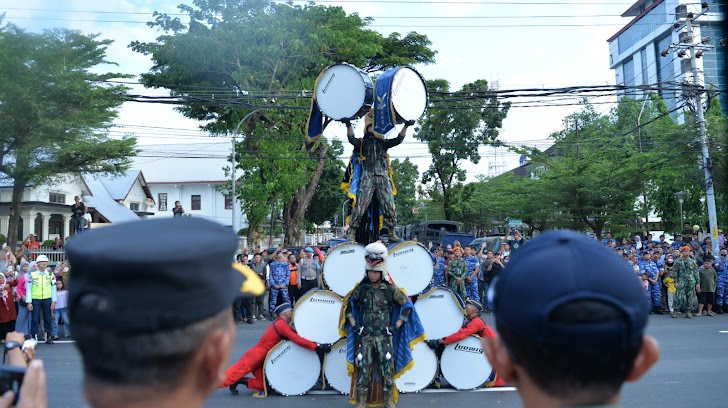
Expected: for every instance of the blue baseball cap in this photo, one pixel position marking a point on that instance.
(308, 249)
(556, 269)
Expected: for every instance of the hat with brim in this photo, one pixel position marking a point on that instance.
(127, 280)
(282, 308)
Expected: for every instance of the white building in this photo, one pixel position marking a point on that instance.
(634, 51)
(46, 208)
(193, 180)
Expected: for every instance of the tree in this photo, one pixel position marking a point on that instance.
(54, 110)
(405, 175)
(327, 199)
(454, 129)
(233, 57)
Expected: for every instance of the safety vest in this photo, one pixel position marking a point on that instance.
(42, 284)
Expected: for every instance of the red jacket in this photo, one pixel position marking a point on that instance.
(253, 359)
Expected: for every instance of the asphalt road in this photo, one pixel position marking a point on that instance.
(693, 371)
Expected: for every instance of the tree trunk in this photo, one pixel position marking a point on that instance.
(252, 233)
(15, 207)
(295, 210)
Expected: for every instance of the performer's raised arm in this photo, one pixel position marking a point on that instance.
(389, 143)
(350, 133)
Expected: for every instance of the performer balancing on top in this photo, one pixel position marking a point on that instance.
(381, 327)
(375, 175)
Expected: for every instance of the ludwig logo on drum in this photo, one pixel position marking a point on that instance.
(318, 300)
(351, 251)
(406, 251)
(284, 351)
(476, 350)
(411, 383)
(436, 296)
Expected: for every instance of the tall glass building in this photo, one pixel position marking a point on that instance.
(634, 51)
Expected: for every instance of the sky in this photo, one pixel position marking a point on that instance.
(514, 44)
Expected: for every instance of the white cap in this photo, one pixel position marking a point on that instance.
(41, 258)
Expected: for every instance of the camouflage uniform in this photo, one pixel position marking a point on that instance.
(721, 289)
(375, 307)
(279, 275)
(375, 177)
(458, 268)
(686, 275)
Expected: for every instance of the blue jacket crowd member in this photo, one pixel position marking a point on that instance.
(571, 318)
(472, 280)
(151, 332)
(438, 278)
(721, 288)
(381, 327)
(649, 266)
(280, 276)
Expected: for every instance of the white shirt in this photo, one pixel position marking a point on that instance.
(88, 219)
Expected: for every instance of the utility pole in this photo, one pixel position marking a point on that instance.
(644, 183)
(234, 196)
(688, 46)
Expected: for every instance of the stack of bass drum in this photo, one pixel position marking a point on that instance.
(294, 370)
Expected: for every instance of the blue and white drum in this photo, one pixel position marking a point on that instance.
(344, 91)
(464, 364)
(291, 369)
(316, 316)
(410, 266)
(441, 312)
(408, 93)
(422, 374)
(344, 267)
(335, 371)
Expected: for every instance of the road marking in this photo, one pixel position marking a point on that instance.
(425, 391)
(723, 331)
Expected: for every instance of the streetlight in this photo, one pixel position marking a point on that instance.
(235, 133)
(680, 195)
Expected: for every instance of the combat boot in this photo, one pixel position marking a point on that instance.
(393, 238)
(719, 309)
(352, 234)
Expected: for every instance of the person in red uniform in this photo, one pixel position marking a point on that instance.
(474, 325)
(254, 359)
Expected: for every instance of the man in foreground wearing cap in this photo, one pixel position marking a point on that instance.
(381, 326)
(571, 318)
(40, 296)
(253, 360)
(155, 330)
(474, 325)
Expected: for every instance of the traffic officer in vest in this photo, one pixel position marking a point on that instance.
(308, 272)
(40, 296)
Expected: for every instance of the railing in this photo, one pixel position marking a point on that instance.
(54, 255)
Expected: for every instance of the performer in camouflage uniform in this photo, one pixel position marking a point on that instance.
(375, 175)
(369, 312)
(687, 277)
(457, 271)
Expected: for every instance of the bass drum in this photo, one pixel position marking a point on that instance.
(344, 267)
(464, 364)
(291, 369)
(344, 91)
(441, 312)
(410, 266)
(408, 93)
(316, 316)
(335, 370)
(422, 374)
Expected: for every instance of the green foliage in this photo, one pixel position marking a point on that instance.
(48, 243)
(327, 200)
(270, 49)
(453, 132)
(405, 179)
(55, 109)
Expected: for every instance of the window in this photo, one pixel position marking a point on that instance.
(228, 202)
(162, 201)
(134, 206)
(629, 72)
(196, 202)
(57, 198)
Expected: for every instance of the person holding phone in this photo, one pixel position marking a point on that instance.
(177, 211)
(23, 367)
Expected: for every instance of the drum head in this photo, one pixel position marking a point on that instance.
(464, 364)
(421, 375)
(341, 91)
(344, 267)
(291, 369)
(316, 316)
(335, 369)
(410, 266)
(409, 94)
(440, 312)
